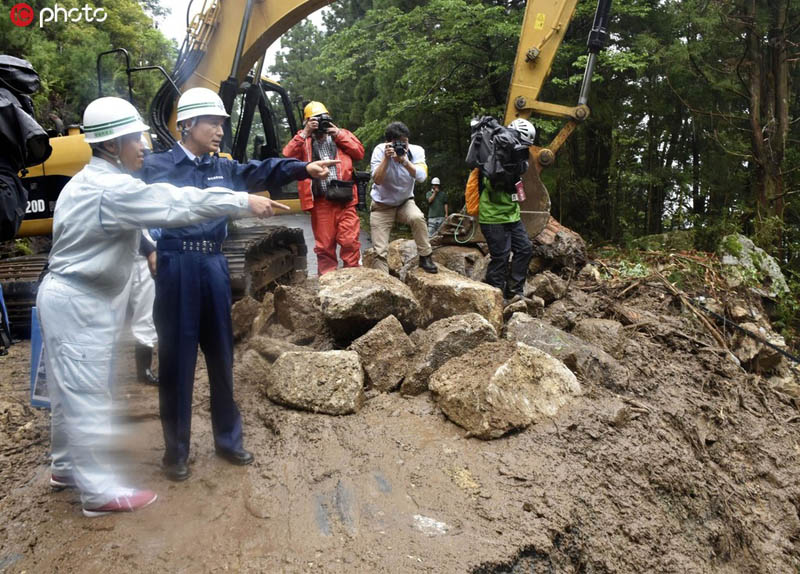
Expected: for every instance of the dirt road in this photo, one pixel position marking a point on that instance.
(690, 466)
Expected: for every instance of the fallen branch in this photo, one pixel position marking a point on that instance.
(697, 313)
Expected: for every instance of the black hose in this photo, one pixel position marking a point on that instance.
(759, 338)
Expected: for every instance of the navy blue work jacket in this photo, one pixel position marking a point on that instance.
(175, 167)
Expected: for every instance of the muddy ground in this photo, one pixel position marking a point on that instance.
(689, 466)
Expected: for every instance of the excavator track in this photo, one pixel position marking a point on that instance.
(20, 278)
(259, 254)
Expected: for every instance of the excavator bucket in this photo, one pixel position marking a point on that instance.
(535, 210)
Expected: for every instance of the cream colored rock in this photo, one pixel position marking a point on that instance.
(322, 382)
(442, 341)
(354, 300)
(385, 351)
(501, 387)
(446, 293)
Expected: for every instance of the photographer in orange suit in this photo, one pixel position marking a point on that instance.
(332, 201)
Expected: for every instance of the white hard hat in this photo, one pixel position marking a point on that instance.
(108, 118)
(525, 130)
(200, 102)
(435, 181)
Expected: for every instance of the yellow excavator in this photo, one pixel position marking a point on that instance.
(210, 58)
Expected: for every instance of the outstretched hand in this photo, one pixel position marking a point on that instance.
(264, 206)
(319, 169)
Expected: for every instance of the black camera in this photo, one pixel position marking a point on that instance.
(324, 122)
(362, 179)
(400, 147)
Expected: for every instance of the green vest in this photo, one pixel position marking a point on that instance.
(436, 208)
(496, 206)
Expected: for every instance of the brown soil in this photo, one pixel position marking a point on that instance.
(690, 466)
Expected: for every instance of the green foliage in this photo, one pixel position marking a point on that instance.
(432, 65)
(787, 311)
(22, 247)
(64, 54)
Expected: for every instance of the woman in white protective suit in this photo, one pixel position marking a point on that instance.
(81, 302)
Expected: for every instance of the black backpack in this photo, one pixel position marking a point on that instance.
(498, 151)
(24, 142)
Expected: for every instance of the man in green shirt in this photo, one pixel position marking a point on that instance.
(499, 218)
(437, 207)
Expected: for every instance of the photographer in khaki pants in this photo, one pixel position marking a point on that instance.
(395, 166)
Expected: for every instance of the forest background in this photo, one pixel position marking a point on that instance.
(695, 124)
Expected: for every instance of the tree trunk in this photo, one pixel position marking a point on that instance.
(768, 86)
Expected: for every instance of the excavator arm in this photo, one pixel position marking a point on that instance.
(224, 43)
(543, 28)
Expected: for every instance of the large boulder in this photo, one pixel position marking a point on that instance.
(744, 263)
(328, 382)
(385, 351)
(546, 285)
(503, 386)
(271, 348)
(558, 247)
(588, 361)
(242, 314)
(297, 309)
(444, 340)
(447, 293)
(467, 261)
(607, 334)
(355, 299)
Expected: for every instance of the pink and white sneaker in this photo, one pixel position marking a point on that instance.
(60, 482)
(127, 500)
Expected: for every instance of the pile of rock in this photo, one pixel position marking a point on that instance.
(326, 345)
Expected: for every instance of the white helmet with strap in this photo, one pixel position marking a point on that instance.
(197, 102)
(109, 118)
(435, 181)
(525, 129)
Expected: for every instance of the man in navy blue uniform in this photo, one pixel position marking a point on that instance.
(193, 294)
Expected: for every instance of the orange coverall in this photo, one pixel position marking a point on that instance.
(332, 222)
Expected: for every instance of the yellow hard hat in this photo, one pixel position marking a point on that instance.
(314, 109)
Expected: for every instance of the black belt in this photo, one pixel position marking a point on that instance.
(190, 245)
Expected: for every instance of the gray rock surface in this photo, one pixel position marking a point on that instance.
(385, 351)
(446, 293)
(401, 257)
(755, 356)
(607, 334)
(297, 309)
(503, 386)
(328, 382)
(745, 263)
(467, 261)
(589, 362)
(442, 341)
(354, 300)
(546, 285)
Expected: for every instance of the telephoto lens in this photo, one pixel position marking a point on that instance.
(362, 179)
